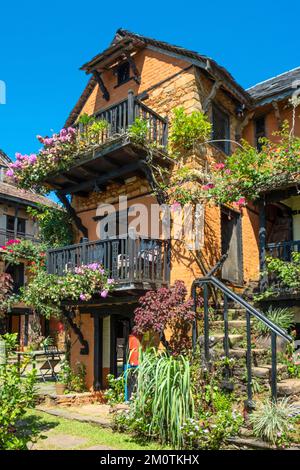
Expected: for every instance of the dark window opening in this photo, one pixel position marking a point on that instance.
(221, 129)
(260, 131)
(123, 73)
(17, 274)
(10, 224)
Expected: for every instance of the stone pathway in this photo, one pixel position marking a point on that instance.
(92, 413)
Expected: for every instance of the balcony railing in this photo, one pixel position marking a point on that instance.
(121, 115)
(127, 260)
(6, 235)
(283, 250)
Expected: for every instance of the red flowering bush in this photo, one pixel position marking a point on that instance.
(167, 308)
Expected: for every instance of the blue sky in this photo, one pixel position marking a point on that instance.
(43, 44)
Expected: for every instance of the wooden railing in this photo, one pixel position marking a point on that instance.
(127, 260)
(121, 115)
(6, 235)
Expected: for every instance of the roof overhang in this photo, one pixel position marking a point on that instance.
(115, 161)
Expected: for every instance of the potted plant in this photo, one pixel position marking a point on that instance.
(63, 378)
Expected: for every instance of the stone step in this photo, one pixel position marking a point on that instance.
(233, 313)
(288, 387)
(241, 352)
(219, 337)
(264, 371)
(238, 325)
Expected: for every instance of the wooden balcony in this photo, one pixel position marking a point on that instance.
(132, 263)
(6, 235)
(112, 154)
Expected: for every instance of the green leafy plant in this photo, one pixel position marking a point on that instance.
(74, 380)
(17, 394)
(211, 430)
(55, 225)
(249, 171)
(45, 292)
(138, 130)
(286, 272)
(18, 251)
(282, 317)
(163, 399)
(272, 422)
(188, 129)
(116, 386)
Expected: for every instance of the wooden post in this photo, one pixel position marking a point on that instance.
(98, 353)
(16, 222)
(262, 244)
(130, 107)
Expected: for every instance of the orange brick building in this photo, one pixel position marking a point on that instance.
(139, 76)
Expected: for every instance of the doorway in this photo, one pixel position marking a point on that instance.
(231, 239)
(120, 329)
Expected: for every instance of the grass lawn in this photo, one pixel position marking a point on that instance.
(69, 435)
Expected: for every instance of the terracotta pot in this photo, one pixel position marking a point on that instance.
(60, 388)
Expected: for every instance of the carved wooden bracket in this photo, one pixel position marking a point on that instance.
(64, 200)
(102, 87)
(277, 114)
(211, 95)
(136, 74)
(242, 124)
(84, 351)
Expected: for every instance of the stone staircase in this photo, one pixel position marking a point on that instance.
(261, 355)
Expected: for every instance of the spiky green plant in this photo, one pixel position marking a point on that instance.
(282, 317)
(164, 393)
(271, 421)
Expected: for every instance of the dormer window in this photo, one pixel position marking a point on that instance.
(123, 73)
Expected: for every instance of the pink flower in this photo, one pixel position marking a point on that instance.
(241, 202)
(227, 171)
(110, 281)
(104, 294)
(82, 297)
(219, 166)
(10, 173)
(176, 205)
(32, 158)
(208, 186)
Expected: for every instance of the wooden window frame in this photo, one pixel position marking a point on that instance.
(224, 147)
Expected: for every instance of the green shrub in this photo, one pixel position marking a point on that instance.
(138, 130)
(282, 317)
(115, 393)
(17, 394)
(211, 430)
(272, 422)
(188, 129)
(74, 381)
(163, 399)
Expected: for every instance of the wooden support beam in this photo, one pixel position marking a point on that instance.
(136, 74)
(277, 114)
(84, 351)
(101, 180)
(64, 200)
(102, 87)
(242, 124)
(262, 236)
(211, 95)
(98, 352)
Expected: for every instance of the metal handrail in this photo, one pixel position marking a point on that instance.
(275, 330)
(239, 300)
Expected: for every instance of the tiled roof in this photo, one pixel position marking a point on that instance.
(281, 86)
(10, 192)
(208, 64)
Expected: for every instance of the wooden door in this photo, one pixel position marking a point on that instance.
(231, 235)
